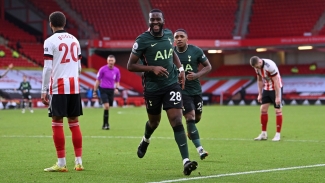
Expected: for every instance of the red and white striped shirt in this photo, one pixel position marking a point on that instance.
(269, 70)
(62, 65)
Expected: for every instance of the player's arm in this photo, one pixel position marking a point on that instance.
(276, 86)
(7, 70)
(133, 65)
(259, 84)
(181, 76)
(47, 70)
(206, 68)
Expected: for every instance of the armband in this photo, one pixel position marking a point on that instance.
(180, 69)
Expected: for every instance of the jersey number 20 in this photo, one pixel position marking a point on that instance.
(66, 48)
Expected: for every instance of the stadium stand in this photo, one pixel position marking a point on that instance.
(49, 6)
(206, 19)
(8, 59)
(124, 22)
(13, 33)
(280, 18)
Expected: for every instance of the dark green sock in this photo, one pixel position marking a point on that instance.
(180, 138)
(193, 132)
(148, 131)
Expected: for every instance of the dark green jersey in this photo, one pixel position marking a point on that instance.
(25, 87)
(191, 59)
(156, 51)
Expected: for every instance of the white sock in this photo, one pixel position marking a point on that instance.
(61, 162)
(277, 134)
(78, 160)
(199, 149)
(146, 140)
(264, 132)
(185, 160)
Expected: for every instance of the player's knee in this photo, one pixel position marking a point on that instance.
(72, 119)
(278, 110)
(175, 120)
(57, 119)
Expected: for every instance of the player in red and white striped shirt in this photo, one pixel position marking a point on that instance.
(270, 90)
(61, 79)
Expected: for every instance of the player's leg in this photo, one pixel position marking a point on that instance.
(192, 108)
(153, 105)
(57, 110)
(24, 103)
(172, 103)
(30, 104)
(105, 100)
(266, 100)
(75, 110)
(279, 118)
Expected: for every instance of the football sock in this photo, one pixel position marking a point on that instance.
(23, 105)
(278, 121)
(30, 105)
(62, 162)
(193, 132)
(264, 119)
(76, 138)
(59, 140)
(78, 160)
(148, 130)
(180, 138)
(106, 116)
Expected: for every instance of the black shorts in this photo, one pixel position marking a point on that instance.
(65, 105)
(168, 97)
(27, 96)
(269, 97)
(192, 102)
(107, 95)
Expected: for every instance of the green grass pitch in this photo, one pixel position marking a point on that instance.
(226, 132)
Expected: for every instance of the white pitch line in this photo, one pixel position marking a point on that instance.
(239, 173)
(138, 137)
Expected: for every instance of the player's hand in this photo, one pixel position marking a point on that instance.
(10, 66)
(191, 76)
(181, 79)
(116, 91)
(95, 94)
(44, 99)
(259, 98)
(277, 101)
(160, 71)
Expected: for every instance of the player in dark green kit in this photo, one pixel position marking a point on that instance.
(191, 57)
(161, 88)
(25, 88)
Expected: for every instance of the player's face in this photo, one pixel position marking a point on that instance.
(156, 23)
(259, 64)
(110, 62)
(180, 38)
(24, 79)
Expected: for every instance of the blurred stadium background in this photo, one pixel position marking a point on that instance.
(292, 33)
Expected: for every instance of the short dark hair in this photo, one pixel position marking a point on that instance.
(254, 60)
(57, 19)
(181, 30)
(158, 11)
(111, 56)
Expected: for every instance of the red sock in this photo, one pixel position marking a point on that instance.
(264, 118)
(76, 138)
(58, 138)
(278, 121)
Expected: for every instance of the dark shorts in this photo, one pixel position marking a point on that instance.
(192, 102)
(168, 98)
(107, 95)
(269, 97)
(65, 105)
(27, 96)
